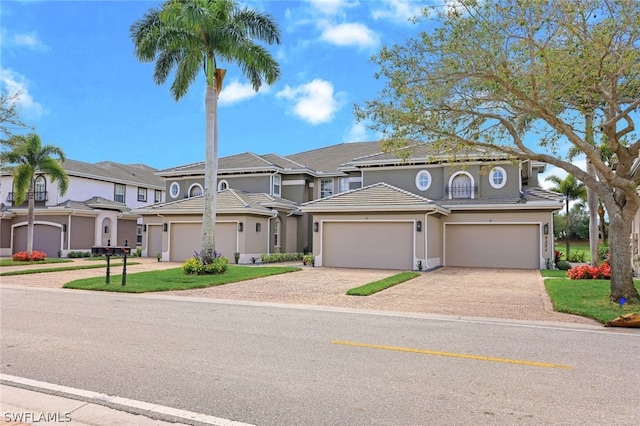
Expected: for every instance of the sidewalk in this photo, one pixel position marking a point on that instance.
(78, 407)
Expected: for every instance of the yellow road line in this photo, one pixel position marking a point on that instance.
(454, 355)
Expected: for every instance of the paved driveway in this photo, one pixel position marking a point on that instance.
(465, 292)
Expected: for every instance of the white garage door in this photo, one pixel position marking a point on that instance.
(185, 239)
(515, 246)
(381, 245)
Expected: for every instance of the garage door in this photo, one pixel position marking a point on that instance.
(381, 245)
(47, 239)
(185, 238)
(154, 240)
(492, 246)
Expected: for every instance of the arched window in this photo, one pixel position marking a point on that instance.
(461, 185)
(195, 190)
(222, 185)
(40, 189)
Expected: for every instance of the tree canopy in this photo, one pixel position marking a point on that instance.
(519, 77)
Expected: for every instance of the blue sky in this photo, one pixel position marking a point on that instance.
(83, 89)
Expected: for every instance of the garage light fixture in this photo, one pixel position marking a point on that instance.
(316, 226)
(165, 227)
(419, 226)
(258, 227)
(240, 226)
(545, 229)
(64, 227)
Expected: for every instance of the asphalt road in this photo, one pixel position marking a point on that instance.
(273, 365)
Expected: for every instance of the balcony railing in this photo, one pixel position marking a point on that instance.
(462, 191)
(37, 196)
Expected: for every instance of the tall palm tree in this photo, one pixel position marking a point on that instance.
(573, 190)
(190, 35)
(29, 157)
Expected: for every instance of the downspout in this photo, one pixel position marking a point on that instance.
(426, 237)
(69, 230)
(269, 231)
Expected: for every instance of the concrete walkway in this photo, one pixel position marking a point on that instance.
(461, 292)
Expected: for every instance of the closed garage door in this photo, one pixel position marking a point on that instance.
(492, 246)
(186, 238)
(46, 238)
(381, 245)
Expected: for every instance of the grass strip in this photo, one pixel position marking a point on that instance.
(376, 286)
(553, 273)
(11, 262)
(62, 268)
(588, 298)
(176, 279)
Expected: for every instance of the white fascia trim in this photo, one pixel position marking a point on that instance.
(528, 206)
(375, 209)
(293, 182)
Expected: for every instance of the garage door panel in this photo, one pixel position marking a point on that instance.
(46, 238)
(185, 239)
(383, 245)
(514, 246)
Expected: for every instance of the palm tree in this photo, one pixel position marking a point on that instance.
(29, 157)
(190, 35)
(572, 190)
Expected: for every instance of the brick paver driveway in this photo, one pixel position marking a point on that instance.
(465, 292)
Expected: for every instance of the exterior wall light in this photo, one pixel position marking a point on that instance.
(419, 226)
(258, 227)
(240, 226)
(165, 227)
(545, 229)
(316, 226)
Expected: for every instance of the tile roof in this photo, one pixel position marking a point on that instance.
(428, 153)
(136, 174)
(377, 197)
(328, 159)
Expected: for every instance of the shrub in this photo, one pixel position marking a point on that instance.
(588, 272)
(557, 255)
(236, 257)
(309, 259)
(77, 254)
(280, 257)
(563, 265)
(23, 256)
(194, 265)
(577, 256)
(603, 252)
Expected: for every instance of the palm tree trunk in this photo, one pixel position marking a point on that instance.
(567, 232)
(210, 175)
(31, 216)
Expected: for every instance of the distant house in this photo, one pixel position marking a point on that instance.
(95, 210)
(353, 205)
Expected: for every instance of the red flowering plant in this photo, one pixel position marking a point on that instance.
(23, 256)
(588, 272)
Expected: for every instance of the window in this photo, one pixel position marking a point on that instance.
(461, 186)
(343, 184)
(326, 188)
(195, 190)
(157, 196)
(40, 190)
(276, 233)
(174, 189)
(119, 193)
(222, 185)
(277, 181)
(142, 194)
(498, 177)
(139, 235)
(423, 180)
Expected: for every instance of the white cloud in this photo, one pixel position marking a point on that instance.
(30, 40)
(14, 82)
(331, 7)
(358, 132)
(397, 10)
(351, 34)
(235, 92)
(314, 102)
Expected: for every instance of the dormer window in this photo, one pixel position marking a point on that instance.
(497, 177)
(174, 189)
(222, 185)
(195, 190)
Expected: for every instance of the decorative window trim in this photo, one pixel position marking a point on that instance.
(117, 196)
(142, 194)
(471, 180)
(492, 175)
(157, 196)
(174, 190)
(419, 183)
(276, 185)
(192, 187)
(222, 185)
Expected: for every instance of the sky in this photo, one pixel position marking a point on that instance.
(83, 90)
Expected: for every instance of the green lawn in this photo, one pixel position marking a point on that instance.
(11, 262)
(588, 298)
(575, 247)
(63, 268)
(176, 279)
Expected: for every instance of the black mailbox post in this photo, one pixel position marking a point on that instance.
(119, 251)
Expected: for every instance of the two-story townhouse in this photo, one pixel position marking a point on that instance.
(353, 205)
(95, 210)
